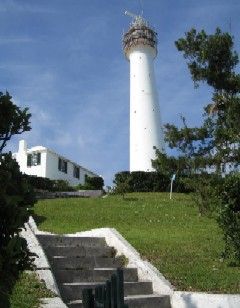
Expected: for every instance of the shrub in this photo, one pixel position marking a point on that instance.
(140, 181)
(145, 181)
(16, 199)
(122, 187)
(40, 183)
(121, 177)
(50, 185)
(61, 185)
(94, 183)
(80, 187)
(229, 216)
(204, 188)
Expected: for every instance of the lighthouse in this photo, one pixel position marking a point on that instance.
(140, 48)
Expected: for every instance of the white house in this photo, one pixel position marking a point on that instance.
(43, 162)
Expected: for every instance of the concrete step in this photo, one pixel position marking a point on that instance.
(147, 301)
(75, 304)
(47, 240)
(84, 263)
(79, 251)
(73, 291)
(94, 275)
(137, 301)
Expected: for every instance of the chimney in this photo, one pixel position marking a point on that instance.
(22, 146)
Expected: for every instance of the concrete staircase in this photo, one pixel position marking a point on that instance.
(83, 262)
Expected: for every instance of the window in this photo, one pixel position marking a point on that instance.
(34, 159)
(76, 172)
(29, 160)
(62, 165)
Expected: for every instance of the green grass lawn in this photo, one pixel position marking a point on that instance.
(184, 246)
(28, 291)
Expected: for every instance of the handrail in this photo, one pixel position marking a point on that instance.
(108, 295)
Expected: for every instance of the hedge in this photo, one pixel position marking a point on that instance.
(91, 183)
(140, 181)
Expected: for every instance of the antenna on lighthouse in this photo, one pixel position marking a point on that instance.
(131, 14)
(140, 1)
(230, 25)
(137, 19)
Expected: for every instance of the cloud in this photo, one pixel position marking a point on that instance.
(23, 6)
(18, 67)
(15, 40)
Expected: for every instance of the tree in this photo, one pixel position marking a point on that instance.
(214, 147)
(169, 165)
(211, 59)
(215, 144)
(122, 189)
(13, 120)
(121, 182)
(16, 199)
(95, 183)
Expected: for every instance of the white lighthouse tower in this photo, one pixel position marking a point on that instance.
(140, 48)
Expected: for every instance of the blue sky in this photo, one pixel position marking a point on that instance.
(63, 59)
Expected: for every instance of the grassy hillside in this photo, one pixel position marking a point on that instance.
(28, 291)
(184, 246)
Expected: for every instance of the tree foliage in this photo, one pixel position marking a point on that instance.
(168, 165)
(215, 144)
(213, 147)
(95, 182)
(122, 183)
(229, 216)
(16, 199)
(13, 119)
(211, 59)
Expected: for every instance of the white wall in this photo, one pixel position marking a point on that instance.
(53, 173)
(204, 300)
(49, 165)
(39, 170)
(145, 122)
